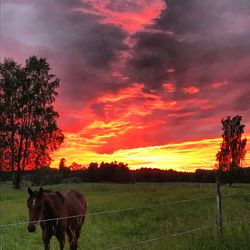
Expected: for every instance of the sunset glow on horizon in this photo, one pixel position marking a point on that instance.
(185, 156)
(143, 82)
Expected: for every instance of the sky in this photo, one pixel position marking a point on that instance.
(145, 82)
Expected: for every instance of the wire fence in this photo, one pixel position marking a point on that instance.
(107, 211)
(173, 235)
(117, 210)
(159, 238)
(2, 226)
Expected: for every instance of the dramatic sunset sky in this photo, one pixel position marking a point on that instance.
(145, 82)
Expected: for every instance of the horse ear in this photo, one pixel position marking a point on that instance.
(41, 191)
(30, 191)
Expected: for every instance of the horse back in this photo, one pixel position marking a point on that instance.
(75, 202)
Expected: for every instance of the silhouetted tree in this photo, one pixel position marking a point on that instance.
(62, 163)
(107, 171)
(123, 174)
(75, 166)
(63, 169)
(232, 150)
(28, 129)
(92, 172)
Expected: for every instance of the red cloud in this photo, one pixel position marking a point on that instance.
(191, 90)
(132, 16)
(219, 84)
(169, 87)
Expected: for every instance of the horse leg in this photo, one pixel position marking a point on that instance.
(46, 239)
(61, 238)
(72, 238)
(78, 230)
(77, 235)
(79, 227)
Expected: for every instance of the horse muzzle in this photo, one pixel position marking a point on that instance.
(31, 228)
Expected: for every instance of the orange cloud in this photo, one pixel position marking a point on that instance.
(120, 114)
(132, 100)
(132, 118)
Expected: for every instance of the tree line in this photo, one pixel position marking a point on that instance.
(120, 173)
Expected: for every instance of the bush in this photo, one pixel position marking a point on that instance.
(44, 176)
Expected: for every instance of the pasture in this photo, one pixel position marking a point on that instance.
(145, 227)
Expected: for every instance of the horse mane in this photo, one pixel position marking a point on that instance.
(51, 199)
(59, 194)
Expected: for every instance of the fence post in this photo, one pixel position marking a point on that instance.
(218, 206)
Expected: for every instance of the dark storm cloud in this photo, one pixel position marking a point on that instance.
(242, 102)
(203, 41)
(80, 48)
(80, 35)
(204, 19)
(151, 56)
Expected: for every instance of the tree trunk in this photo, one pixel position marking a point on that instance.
(18, 173)
(16, 179)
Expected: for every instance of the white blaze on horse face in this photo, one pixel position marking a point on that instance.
(34, 202)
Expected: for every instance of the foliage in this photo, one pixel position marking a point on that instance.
(110, 172)
(28, 129)
(63, 168)
(160, 175)
(44, 176)
(232, 149)
(91, 174)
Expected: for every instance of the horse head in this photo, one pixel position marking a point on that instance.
(34, 204)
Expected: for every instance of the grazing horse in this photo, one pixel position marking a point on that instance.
(57, 212)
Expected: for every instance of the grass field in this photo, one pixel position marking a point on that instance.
(134, 229)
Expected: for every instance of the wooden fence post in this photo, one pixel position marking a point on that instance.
(218, 206)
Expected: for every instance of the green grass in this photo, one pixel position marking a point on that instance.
(127, 228)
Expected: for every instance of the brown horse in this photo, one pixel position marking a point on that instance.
(57, 212)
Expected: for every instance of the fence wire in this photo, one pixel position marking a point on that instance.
(141, 207)
(107, 212)
(117, 210)
(175, 235)
(160, 238)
